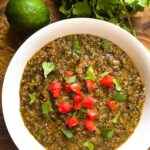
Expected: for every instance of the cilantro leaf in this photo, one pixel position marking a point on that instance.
(40, 132)
(106, 45)
(107, 133)
(143, 3)
(90, 74)
(70, 79)
(47, 67)
(115, 11)
(89, 145)
(81, 9)
(65, 9)
(117, 84)
(32, 99)
(115, 119)
(68, 133)
(82, 110)
(129, 1)
(119, 97)
(46, 107)
(102, 75)
(76, 46)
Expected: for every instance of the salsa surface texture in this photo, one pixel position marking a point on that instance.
(40, 107)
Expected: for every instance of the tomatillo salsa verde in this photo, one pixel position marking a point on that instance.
(81, 92)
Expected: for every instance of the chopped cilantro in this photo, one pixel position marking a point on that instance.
(47, 67)
(70, 79)
(90, 74)
(89, 145)
(32, 99)
(68, 133)
(46, 107)
(107, 133)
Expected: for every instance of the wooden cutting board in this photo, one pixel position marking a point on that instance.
(9, 42)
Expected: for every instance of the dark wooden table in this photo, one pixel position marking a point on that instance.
(9, 42)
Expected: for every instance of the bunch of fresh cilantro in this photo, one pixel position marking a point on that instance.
(115, 11)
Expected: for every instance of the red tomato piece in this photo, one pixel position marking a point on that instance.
(90, 84)
(55, 88)
(65, 107)
(54, 85)
(90, 125)
(89, 101)
(67, 87)
(69, 74)
(56, 93)
(77, 99)
(71, 122)
(75, 87)
(108, 81)
(111, 105)
(92, 113)
(78, 106)
(80, 94)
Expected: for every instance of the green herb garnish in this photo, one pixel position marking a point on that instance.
(107, 133)
(90, 74)
(115, 119)
(68, 133)
(74, 114)
(89, 145)
(119, 97)
(106, 45)
(40, 132)
(32, 99)
(46, 107)
(117, 84)
(70, 79)
(81, 9)
(64, 9)
(114, 11)
(102, 75)
(76, 46)
(47, 67)
(82, 110)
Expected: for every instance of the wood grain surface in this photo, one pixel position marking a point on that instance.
(10, 41)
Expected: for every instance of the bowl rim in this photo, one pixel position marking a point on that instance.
(37, 35)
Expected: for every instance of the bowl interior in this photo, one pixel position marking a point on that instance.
(10, 98)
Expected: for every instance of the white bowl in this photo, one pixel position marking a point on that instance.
(139, 140)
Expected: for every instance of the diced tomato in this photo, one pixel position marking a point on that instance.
(69, 74)
(92, 113)
(90, 84)
(89, 101)
(54, 85)
(77, 99)
(67, 87)
(75, 87)
(56, 93)
(71, 122)
(90, 125)
(55, 88)
(65, 107)
(78, 106)
(108, 81)
(111, 105)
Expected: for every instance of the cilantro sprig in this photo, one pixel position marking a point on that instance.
(114, 11)
(47, 67)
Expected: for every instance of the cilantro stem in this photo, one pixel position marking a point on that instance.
(128, 16)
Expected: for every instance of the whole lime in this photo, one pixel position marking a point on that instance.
(27, 16)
